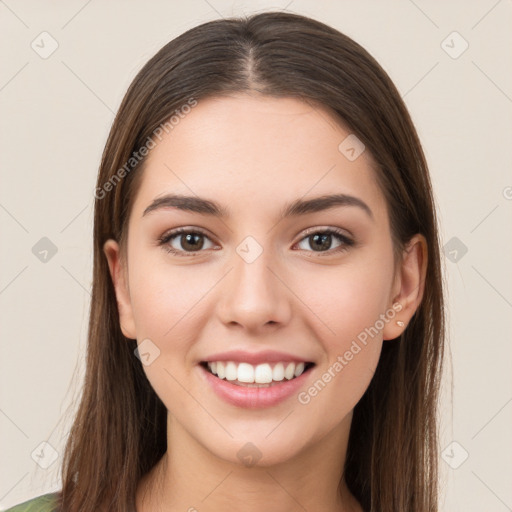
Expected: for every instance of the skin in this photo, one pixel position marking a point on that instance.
(253, 155)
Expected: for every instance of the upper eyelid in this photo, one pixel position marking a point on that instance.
(308, 231)
(183, 230)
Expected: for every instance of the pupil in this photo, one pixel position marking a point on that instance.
(190, 237)
(325, 240)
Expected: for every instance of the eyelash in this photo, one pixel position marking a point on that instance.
(346, 242)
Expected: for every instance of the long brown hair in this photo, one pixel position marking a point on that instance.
(119, 432)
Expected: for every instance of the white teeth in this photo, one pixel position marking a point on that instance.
(278, 372)
(263, 374)
(259, 374)
(245, 372)
(290, 371)
(221, 370)
(231, 373)
(299, 369)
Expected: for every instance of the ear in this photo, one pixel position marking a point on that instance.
(119, 275)
(408, 287)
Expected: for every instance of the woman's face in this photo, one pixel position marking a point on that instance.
(253, 279)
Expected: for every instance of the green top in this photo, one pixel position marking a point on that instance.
(44, 503)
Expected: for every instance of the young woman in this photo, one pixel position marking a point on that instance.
(266, 327)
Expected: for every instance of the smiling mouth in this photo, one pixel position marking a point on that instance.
(256, 376)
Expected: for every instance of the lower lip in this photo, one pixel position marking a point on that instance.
(254, 398)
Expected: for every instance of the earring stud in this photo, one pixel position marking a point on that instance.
(400, 323)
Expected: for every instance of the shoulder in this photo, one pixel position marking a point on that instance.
(43, 503)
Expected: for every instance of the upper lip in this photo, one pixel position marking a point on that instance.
(254, 358)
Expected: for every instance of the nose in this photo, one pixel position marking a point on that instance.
(254, 295)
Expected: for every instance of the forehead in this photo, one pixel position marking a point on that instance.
(244, 150)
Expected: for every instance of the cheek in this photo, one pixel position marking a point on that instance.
(163, 296)
(348, 299)
(168, 311)
(171, 305)
(351, 316)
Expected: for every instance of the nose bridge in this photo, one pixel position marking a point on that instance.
(252, 263)
(252, 278)
(253, 295)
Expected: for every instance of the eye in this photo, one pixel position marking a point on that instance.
(190, 240)
(322, 240)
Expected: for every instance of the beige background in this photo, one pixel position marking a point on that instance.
(55, 116)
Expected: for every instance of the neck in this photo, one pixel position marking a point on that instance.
(190, 478)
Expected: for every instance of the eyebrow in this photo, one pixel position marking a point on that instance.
(298, 207)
